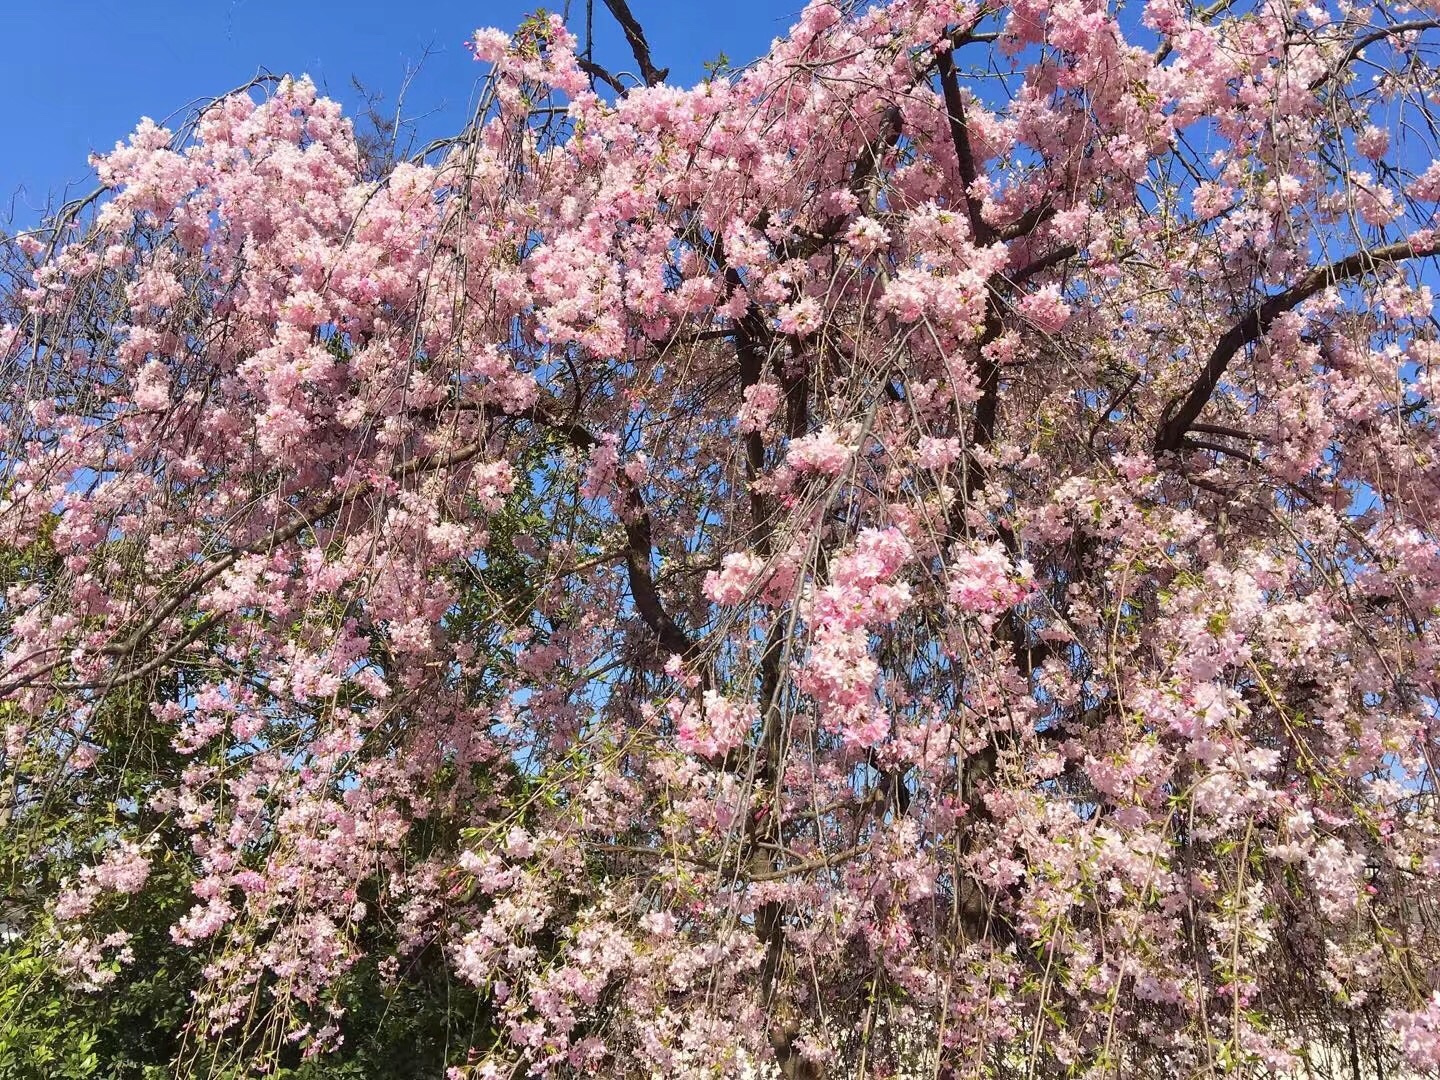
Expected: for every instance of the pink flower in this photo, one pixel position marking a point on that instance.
(737, 577)
(982, 580)
(801, 318)
(761, 401)
(1372, 142)
(1426, 186)
(1418, 1034)
(489, 45)
(866, 236)
(1045, 309)
(1210, 200)
(933, 453)
(152, 387)
(822, 452)
(124, 870)
(717, 726)
(600, 473)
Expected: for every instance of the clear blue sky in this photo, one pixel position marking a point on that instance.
(78, 74)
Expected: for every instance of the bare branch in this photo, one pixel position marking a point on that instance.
(635, 35)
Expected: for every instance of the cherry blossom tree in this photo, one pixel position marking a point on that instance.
(915, 557)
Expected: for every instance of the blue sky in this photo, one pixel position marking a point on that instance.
(78, 74)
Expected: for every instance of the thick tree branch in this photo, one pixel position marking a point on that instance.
(639, 542)
(1192, 443)
(1256, 324)
(964, 154)
(635, 35)
(1027, 222)
(595, 71)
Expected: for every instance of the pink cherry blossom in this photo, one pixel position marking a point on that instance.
(915, 555)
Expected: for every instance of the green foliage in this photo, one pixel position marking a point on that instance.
(127, 1031)
(133, 1029)
(411, 1026)
(54, 820)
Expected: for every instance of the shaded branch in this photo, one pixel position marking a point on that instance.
(1228, 432)
(1043, 263)
(1027, 222)
(1191, 443)
(639, 542)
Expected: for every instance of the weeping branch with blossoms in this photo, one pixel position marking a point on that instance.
(913, 558)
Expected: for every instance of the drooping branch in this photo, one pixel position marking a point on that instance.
(863, 179)
(302, 519)
(637, 558)
(906, 745)
(1167, 46)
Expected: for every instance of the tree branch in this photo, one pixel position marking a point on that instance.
(639, 542)
(1256, 324)
(1361, 44)
(595, 71)
(635, 35)
(302, 519)
(1043, 263)
(964, 155)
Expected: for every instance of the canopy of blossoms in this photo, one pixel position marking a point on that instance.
(915, 557)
